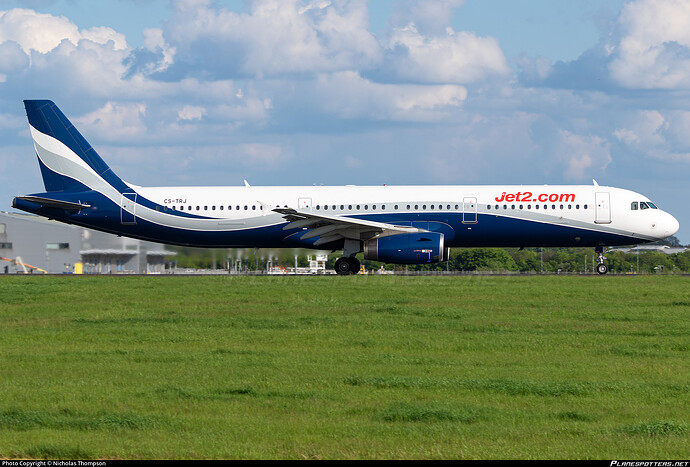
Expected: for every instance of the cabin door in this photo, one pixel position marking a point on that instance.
(602, 214)
(469, 210)
(128, 206)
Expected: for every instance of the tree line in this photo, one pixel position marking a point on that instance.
(528, 260)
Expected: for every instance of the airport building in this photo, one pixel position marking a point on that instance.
(34, 244)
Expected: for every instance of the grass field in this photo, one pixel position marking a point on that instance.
(345, 367)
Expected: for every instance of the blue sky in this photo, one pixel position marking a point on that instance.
(353, 92)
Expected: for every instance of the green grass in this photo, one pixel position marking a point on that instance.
(345, 367)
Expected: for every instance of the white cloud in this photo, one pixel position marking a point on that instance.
(191, 112)
(583, 156)
(348, 95)
(115, 121)
(44, 32)
(276, 36)
(654, 47)
(431, 17)
(456, 57)
(643, 129)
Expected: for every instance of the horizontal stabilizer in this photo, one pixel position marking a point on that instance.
(53, 203)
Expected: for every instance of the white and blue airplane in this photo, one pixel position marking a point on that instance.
(393, 224)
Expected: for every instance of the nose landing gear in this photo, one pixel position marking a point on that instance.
(601, 267)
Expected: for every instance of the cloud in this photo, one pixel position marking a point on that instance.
(430, 17)
(455, 57)
(648, 48)
(653, 51)
(115, 121)
(191, 112)
(44, 32)
(656, 135)
(275, 37)
(350, 96)
(583, 155)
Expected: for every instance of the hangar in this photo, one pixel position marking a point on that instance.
(34, 244)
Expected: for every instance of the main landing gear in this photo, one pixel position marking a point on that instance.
(347, 265)
(601, 267)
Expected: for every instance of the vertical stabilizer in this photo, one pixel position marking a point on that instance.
(67, 160)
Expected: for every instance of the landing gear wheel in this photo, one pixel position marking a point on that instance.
(345, 266)
(355, 264)
(602, 268)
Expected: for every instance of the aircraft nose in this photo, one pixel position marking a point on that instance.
(671, 226)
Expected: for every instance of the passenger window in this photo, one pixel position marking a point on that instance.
(633, 206)
(396, 207)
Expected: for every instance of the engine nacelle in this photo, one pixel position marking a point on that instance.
(412, 248)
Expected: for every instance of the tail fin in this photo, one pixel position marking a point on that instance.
(67, 160)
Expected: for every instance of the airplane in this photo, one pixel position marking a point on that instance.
(392, 224)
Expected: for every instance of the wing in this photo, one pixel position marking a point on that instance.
(333, 228)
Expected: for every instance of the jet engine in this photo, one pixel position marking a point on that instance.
(412, 248)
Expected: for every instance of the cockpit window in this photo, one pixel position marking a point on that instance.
(643, 205)
(633, 206)
(652, 205)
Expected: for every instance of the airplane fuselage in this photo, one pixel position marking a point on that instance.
(521, 216)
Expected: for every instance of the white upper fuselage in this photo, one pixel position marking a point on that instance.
(573, 205)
